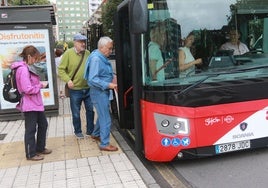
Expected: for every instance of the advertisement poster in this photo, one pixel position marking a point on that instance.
(11, 44)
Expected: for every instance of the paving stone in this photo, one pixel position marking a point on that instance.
(72, 163)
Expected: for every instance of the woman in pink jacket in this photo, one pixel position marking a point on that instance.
(31, 104)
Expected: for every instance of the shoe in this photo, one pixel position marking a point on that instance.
(97, 138)
(36, 158)
(79, 135)
(45, 152)
(109, 148)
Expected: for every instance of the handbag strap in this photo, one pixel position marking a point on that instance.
(83, 54)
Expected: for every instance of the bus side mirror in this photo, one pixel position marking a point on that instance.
(138, 16)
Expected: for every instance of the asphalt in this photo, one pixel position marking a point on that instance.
(73, 162)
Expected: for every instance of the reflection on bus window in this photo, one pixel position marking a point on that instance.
(234, 44)
(156, 62)
(187, 62)
(209, 55)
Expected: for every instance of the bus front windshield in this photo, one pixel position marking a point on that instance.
(210, 40)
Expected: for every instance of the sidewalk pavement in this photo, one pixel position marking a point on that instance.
(74, 163)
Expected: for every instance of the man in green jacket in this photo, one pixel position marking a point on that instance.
(78, 88)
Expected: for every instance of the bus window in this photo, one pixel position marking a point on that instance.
(172, 59)
(258, 44)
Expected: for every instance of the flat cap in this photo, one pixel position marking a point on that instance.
(79, 37)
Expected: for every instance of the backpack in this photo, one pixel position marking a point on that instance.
(10, 91)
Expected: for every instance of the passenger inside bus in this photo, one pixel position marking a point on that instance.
(234, 43)
(186, 60)
(156, 62)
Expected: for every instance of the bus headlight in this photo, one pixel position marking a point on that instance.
(165, 123)
(182, 126)
(177, 125)
(172, 125)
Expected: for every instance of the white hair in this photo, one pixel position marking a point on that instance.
(103, 41)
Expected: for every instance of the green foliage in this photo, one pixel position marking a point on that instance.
(108, 12)
(28, 2)
(60, 44)
(70, 44)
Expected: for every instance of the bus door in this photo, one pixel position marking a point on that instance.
(128, 65)
(124, 64)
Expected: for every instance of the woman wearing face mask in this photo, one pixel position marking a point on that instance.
(186, 60)
(31, 104)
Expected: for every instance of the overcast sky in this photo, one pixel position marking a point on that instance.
(198, 15)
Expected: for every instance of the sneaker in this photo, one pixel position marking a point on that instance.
(35, 158)
(45, 152)
(79, 135)
(88, 134)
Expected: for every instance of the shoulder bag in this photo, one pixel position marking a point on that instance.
(67, 93)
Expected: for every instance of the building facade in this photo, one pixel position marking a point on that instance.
(94, 5)
(72, 16)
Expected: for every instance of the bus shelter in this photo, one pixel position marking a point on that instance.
(21, 26)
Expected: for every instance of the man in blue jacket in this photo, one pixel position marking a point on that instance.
(99, 76)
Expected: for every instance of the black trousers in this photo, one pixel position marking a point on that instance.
(35, 132)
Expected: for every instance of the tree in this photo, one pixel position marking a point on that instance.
(108, 13)
(28, 2)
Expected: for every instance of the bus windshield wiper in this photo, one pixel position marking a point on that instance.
(189, 88)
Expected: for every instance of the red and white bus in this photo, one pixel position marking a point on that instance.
(219, 106)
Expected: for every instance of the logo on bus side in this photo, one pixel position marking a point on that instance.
(243, 135)
(211, 121)
(214, 120)
(243, 126)
(228, 119)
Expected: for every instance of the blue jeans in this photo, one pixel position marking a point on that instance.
(100, 100)
(76, 99)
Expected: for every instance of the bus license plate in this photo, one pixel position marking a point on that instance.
(234, 146)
